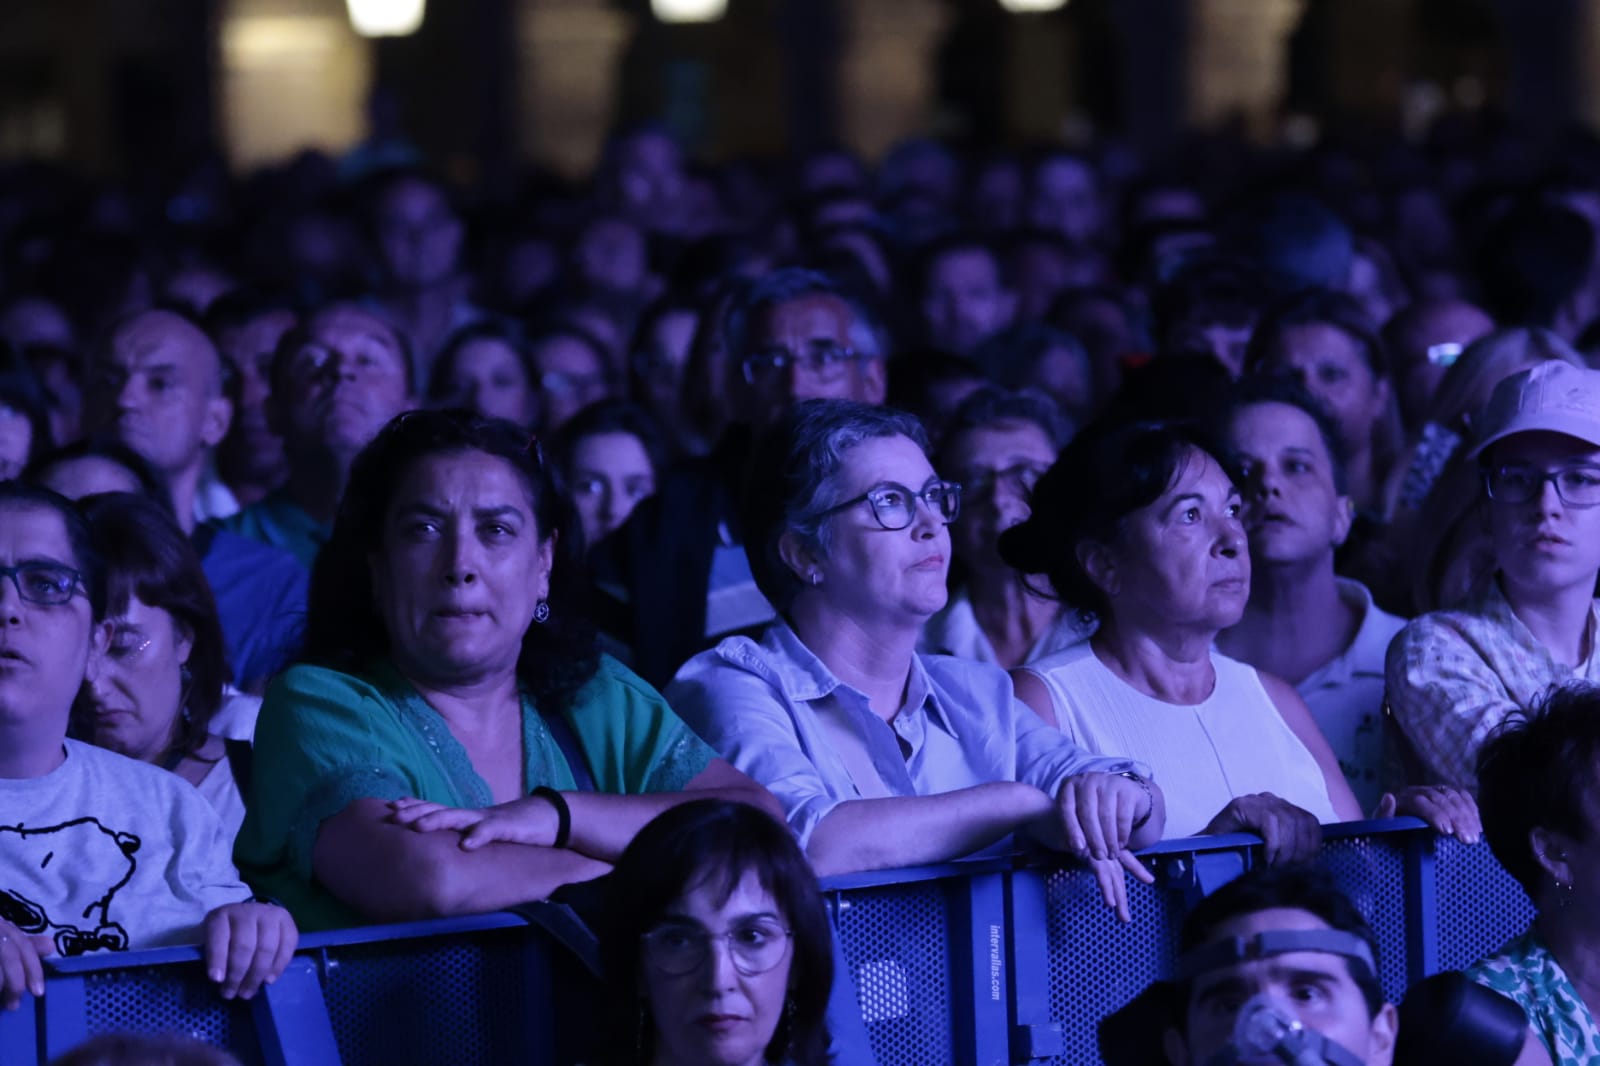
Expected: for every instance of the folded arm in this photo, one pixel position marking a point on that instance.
(390, 872)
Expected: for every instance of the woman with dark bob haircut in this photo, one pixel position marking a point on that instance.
(1538, 774)
(717, 946)
(453, 741)
(1140, 523)
(164, 672)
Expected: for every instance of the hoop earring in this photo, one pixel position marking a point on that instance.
(541, 612)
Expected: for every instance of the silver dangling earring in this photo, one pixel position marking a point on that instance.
(541, 612)
(816, 579)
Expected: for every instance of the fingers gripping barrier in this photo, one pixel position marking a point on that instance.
(985, 963)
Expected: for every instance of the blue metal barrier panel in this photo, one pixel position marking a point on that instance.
(1371, 868)
(1097, 963)
(897, 941)
(1479, 906)
(166, 999)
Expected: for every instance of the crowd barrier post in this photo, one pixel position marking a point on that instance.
(19, 1031)
(292, 1021)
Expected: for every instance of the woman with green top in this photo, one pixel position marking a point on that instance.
(453, 741)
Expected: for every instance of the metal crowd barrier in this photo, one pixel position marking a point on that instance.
(981, 963)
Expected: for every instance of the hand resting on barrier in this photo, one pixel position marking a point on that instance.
(1447, 810)
(1094, 819)
(20, 970)
(247, 945)
(1291, 834)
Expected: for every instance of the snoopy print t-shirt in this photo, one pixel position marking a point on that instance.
(108, 853)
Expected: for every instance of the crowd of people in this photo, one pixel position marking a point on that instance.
(376, 549)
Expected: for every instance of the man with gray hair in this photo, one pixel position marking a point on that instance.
(674, 579)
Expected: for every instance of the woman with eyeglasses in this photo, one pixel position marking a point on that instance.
(999, 443)
(1454, 675)
(98, 852)
(454, 742)
(717, 945)
(1141, 523)
(163, 676)
(883, 757)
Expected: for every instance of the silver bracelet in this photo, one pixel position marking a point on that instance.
(1150, 797)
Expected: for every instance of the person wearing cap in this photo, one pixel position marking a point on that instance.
(1453, 676)
(1280, 951)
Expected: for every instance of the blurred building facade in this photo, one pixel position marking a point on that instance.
(112, 84)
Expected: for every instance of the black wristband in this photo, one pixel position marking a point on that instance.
(1149, 796)
(563, 813)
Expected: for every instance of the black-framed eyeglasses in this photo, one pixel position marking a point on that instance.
(51, 584)
(1022, 477)
(895, 506)
(677, 950)
(1577, 485)
(824, 361)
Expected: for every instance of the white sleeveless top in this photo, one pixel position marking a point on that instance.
(1203, 755)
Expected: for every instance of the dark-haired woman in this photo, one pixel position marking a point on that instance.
(455, 742)
(718, 946)
(1141, 524)
(488, 368)
(1536, 787)
(163, 675)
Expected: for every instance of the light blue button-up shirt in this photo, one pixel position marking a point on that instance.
(761, 705)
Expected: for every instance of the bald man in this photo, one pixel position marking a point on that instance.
(156, 386)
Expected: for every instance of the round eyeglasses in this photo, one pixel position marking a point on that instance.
(677, 950)
(51, 584)
(1578, 486)
(895, 506)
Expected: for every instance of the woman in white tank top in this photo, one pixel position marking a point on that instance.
(1141, 524)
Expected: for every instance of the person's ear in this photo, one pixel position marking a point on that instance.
(547, 562)
(218, 417)
(1550, 850)
(1344, 516)
(1382, 1035)
(874, 381)
(1099, 565)
(806, 564)
(99, 642)
(1177, 1051)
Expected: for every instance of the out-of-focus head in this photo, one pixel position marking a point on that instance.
(143, 1049)
(166, 665)
(1374, 282)
(1471, 378)
(661, 345)
(416, 230)
(450, 532)
(931, 384)
(842, 504)
(1035, 356)
(1110, 328)
(157, 385)
(247, 327)
(1298, 242)
(1286, 939)
(963, 297)
(24, 414)
(1322, 339)
(95, 465)
(997, 446)
(1064, 197)
(1424, 341)
(610, 453)
(612, 253)
(486, 367)
(571, 372)
(48, 607)
(1536, 266)
(1209, 310)
(796, 335)
(1138, 522)
(1287, 450)
(1537, 774)
(338, 377)
(717, 934)
(644, 172)
(34, 320)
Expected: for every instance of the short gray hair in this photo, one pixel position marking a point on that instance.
(793, 481)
